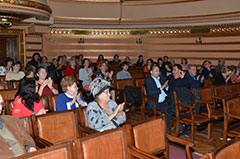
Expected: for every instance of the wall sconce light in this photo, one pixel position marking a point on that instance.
(81, 40)
(139, 41)
(199, 40)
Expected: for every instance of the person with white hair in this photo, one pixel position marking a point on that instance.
(104, 113)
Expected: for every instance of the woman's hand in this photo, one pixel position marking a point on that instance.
(32, 149)
(90, 75)
(50, 82)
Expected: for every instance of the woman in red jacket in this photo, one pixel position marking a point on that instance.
(27, 101)
(72, 69)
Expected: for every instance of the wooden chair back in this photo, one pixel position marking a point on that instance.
(150, 136)
(105, 145)
(227, 150)
(121, 84)
(52, 102)
(234, 89)
(220, 91)
(2, 78)
(27, 124)
(206, 93)
(57, 127)
(138, 75)
(13, 84)
(8, 94)
(8, 106)
(46, 103)
(60, 151)
(3, 86)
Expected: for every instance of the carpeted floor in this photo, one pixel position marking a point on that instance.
(179, 153)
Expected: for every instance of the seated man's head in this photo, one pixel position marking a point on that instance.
(154, 71)
(124, 66)
(177, 70)
(192, 69)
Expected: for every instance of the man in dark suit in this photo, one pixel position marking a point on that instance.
(156, 87)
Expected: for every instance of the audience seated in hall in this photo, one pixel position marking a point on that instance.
(116, 60)
(45, 86)
(14, 140)
(221, 63)
(72, 70)
(140, 61)
(16, 74)
(70, 98)
(85, 74)
(100, 59)
(103, 72)
(55, 73)
(195, 81)
(61, 65)
(160, 63)
(104, 113)
(27, 101)
(207, 71)
(157, 87)
(124, 74)
(128, 60)
(224, 77)
(44, 63)
(234, 77)
(79, 61)
(36, 58)
(7, 66)
(148, 66)
(184, 64)
(167, 70)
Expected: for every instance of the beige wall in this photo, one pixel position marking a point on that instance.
(212, 48)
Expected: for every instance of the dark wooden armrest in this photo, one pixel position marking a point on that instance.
(87, 130)
(216, 97)
(133, 151)
(203, 101)
(154, 99)
(183, 142)
(42, 143)
(187, 106)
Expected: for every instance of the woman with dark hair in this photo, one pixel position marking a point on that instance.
(184, 63)
(148, 65)
(7, 66)
(60, 63)
(27, 101)
(160, 63)
(207, 71)
(36, 58)
(100, 59)
(167, 71)
(116, 60)
(45, 86)
(44, 62)
(140, 61)
(85, 74)
(224, 77)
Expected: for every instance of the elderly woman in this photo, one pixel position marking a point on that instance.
(70, 99)
(104, 113)
(27, 101)
(85, 74)
(45, 86)
(14, 139)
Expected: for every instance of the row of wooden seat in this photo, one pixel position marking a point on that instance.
(142, 140)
